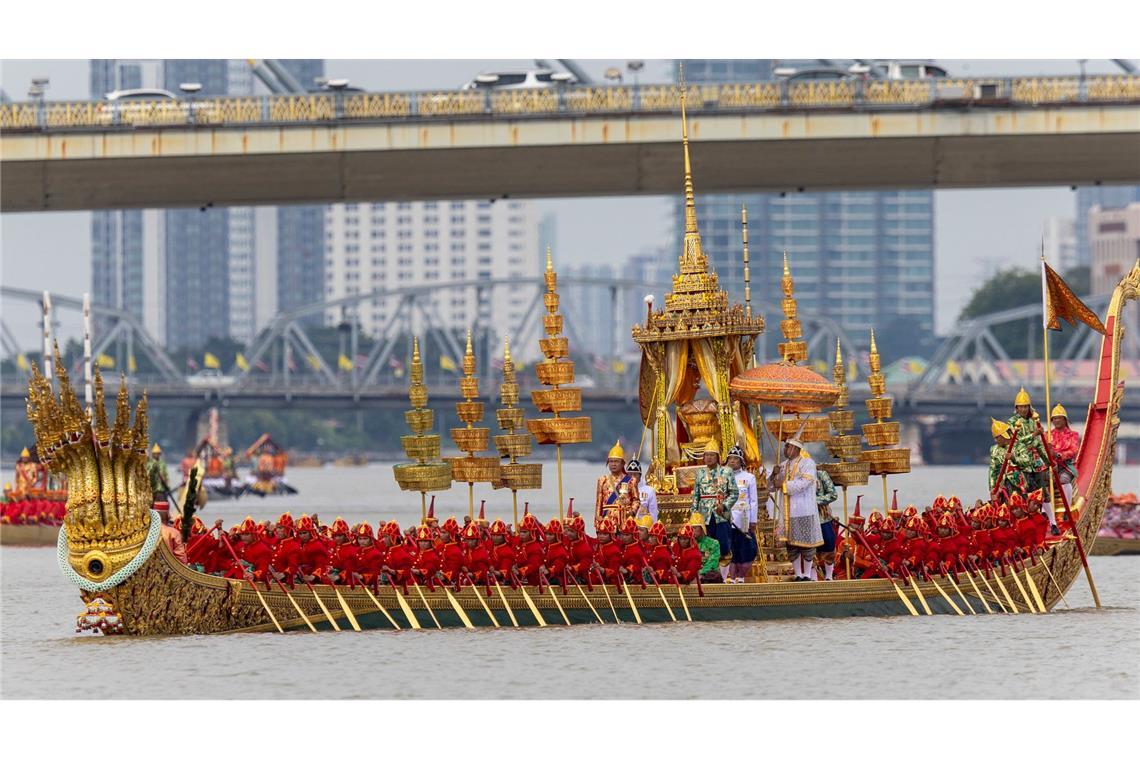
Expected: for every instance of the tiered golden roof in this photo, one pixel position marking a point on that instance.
(850, 470)
(471, 469)
(514, 475)
(697, 307)
(426, 473)
(108, 498)
(888, 459)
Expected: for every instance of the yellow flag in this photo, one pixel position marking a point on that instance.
(132, 365)
(344, 363)
(446, 363)
(953, 370)
(242, 364)
(313, 361)
(619, 367)
(102, 361)
(22, 362)
(211, 361)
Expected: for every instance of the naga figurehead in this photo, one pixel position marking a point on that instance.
(110, 529)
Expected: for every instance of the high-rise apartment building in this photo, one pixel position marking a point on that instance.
(1059, 243)
(865, 259)
(1114, 245)
(388, 246)
(1104, 196)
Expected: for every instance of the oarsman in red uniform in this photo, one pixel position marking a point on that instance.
(1030, 524)
(252, 551)
(398, 559)
(1004, 535)
(425, 569)
(203, 549)
(850, 549)
(557, 552)
(310, 560)
(887, 544)
(948, 546)
(894, 514)
(504, 555)
(660, 559)
(916, 545)
(531, 551)
(607, 554)
(633, 557)
(687, 557)
(342, 553)
(369, 558)
(476, 556)
(581, 548)
(451, 554)
(282, 529)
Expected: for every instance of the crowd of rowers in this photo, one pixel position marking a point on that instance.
(475, 553)
(35, 498)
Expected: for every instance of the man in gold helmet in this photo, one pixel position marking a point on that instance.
(28, 471)
(714, 495)
(1014, 480)
(156, 472)
(1064, 443)
(617, 495)
(1028, 448)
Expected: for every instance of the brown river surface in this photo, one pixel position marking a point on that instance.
(1070, 653)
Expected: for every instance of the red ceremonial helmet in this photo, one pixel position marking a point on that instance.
(555, 527)
(947, 521)
(248, 525)
(909, 512)
(340, 527)
(658, 531)
(578, 524)
(424, 533)
(954, 503)
(606, 525)
(939, 503)
(1016, 500)
(1004, 513)
(916, 524)
(285, 521)
(1037, 497)
(685, 531)
(450, 527)
(392, 528)
(498, 528)
(629, 527)
(530, 523)
(472, 532)
(364, 529)
(856, 518)
(305, 524)
(874, 519)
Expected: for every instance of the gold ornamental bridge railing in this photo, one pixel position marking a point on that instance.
(340, 107)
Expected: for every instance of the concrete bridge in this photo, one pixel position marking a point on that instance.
(578, 141)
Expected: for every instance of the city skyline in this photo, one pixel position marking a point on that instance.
(977, 226)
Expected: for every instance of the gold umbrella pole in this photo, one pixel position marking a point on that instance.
(556, 371)
(423, 507)
(515, 506)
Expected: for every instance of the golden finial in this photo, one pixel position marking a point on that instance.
(506, 348)
(416, 349)
(747, 275)
(469, 351)
(787, 272)
(874, 349)
(690, 202)
(549, 260)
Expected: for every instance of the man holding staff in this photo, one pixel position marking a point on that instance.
(795, 476)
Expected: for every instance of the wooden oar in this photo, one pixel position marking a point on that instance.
(632, 606)
(458, 610)
(1069, 518)
(1033, 589)
(510, 612)
(558, 604)
(423, 599)
(945, 596)
(253, 585)
(593, 609)
(379, 606)
(347, 612)
(680, 593)
(296, 606)
(407, 608)
(1005, 593)
(977, 591)
(660, 591)
(1021, 589)
(324, 609)
(961, 596)
(530, 603)
(606, 591)
(886, 570)
(986, 581)
(1054, 580)
(482, 601)
(918, 592)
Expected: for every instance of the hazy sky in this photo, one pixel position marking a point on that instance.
(973, 228)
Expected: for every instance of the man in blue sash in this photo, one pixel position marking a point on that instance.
(714, 495)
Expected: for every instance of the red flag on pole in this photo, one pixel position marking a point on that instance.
(1060, 302)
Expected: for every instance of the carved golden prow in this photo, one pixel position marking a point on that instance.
(109, 498)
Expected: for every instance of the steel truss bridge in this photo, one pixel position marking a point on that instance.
(971, 373)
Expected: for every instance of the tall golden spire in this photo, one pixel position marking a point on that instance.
(794, 350)
(425, 473)
(889, 458)
(747, 275)
(471, 469)
(514, 475)
(690, 202)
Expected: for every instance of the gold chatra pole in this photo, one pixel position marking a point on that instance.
(558, 457)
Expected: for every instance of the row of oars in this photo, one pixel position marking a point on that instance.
(1028, 592)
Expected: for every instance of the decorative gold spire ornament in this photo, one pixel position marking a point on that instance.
(426, 473)
(109, 500)
(557, 370)
(850, 470)
(889, 458)
(471, 469)
(514, 475)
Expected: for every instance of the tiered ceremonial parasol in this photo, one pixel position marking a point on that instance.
(471, 469)
(889, 458)
(425, 473)
(850, 470)
(557, 370)
(515, 475)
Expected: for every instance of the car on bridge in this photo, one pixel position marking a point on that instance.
(520, 80)
(145, 105)
(210, 378)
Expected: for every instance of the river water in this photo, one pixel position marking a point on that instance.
(1070, 653)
